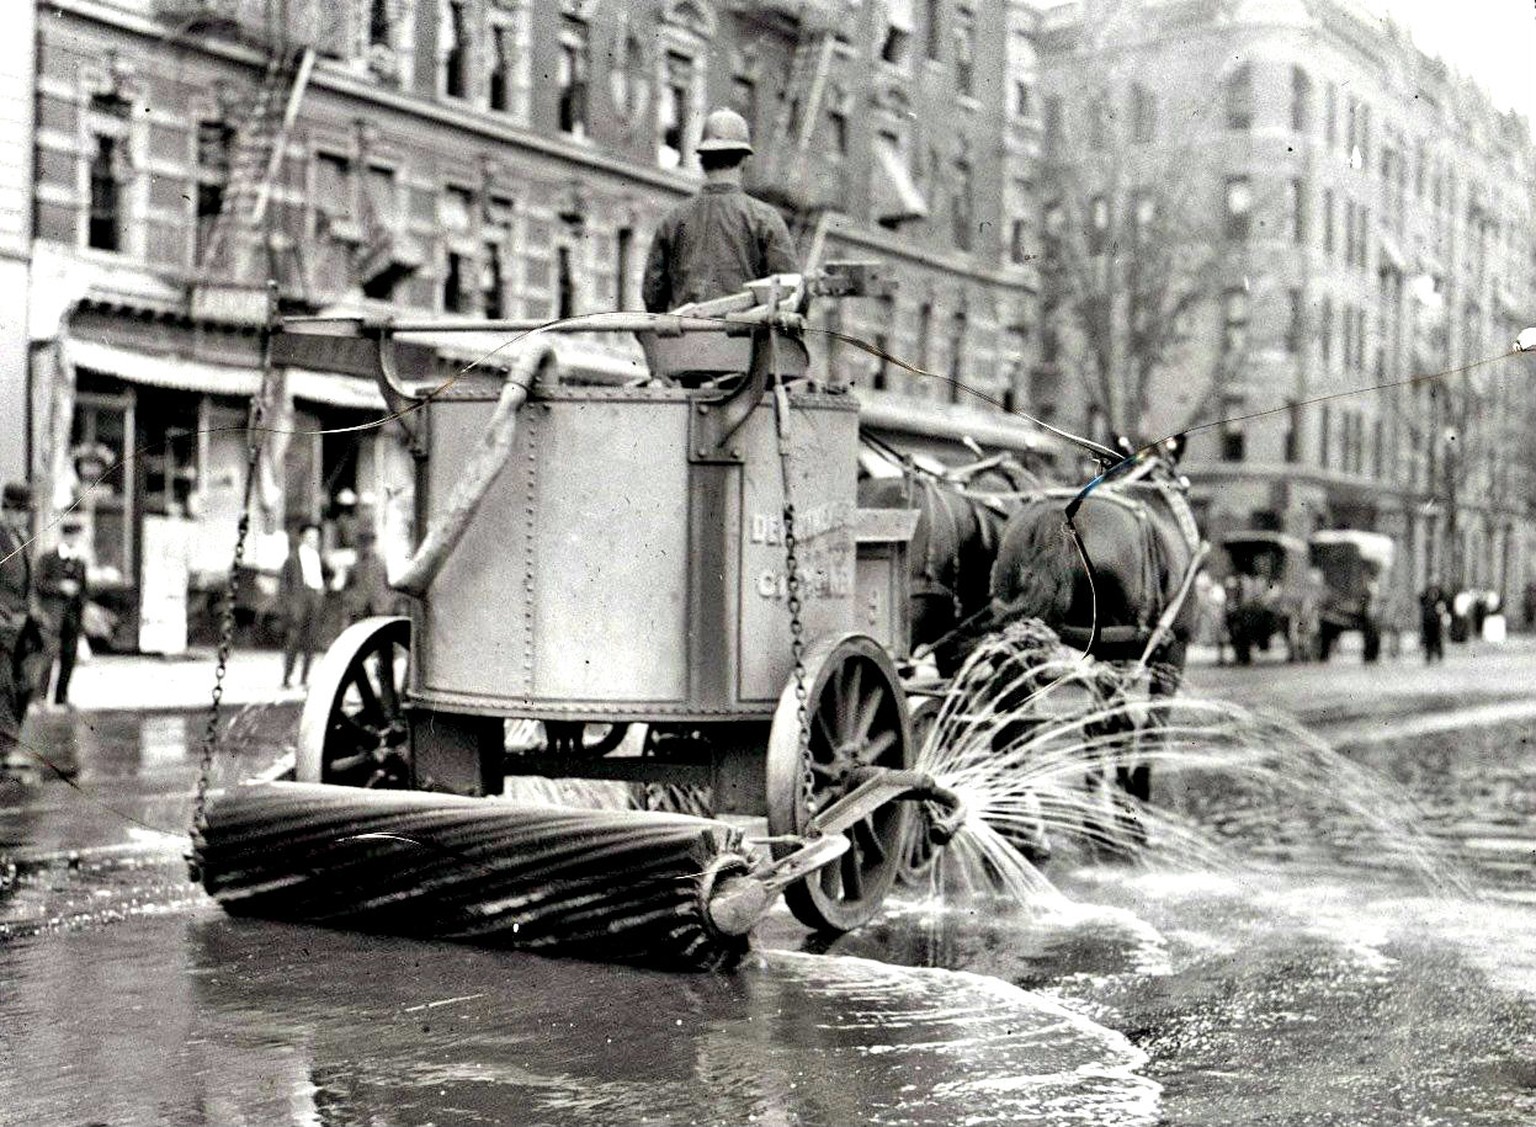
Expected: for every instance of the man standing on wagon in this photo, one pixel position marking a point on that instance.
(714, 244)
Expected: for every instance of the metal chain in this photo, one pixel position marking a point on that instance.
(227, 603)
(793, 601)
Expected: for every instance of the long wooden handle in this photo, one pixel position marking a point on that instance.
(483, 469)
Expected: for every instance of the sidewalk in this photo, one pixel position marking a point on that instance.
(135, 683)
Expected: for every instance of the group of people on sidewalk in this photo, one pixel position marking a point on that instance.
(42, 606)
(307, 584)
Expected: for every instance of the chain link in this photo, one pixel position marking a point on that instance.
(210, 746)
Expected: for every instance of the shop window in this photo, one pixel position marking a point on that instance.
(166, 448)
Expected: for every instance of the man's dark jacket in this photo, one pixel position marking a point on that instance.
(712, 245)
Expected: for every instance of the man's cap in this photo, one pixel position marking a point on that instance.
(17, 495)
(725, 131)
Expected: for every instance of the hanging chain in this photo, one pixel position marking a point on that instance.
(792, 588)
(227, 602)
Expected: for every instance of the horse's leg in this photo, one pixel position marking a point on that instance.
(1167, 672)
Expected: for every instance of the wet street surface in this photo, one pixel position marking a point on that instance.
(1309, 978)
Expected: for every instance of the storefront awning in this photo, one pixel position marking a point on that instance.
(896, 196)
(153, 370)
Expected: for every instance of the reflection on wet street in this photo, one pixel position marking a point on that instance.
(1302, 984)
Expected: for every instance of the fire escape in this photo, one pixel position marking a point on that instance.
(244, 246)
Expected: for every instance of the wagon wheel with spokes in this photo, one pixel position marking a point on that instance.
(919, 854)
(858, 719)
(354, 731)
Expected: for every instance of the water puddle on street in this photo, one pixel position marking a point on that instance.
(1307, 979)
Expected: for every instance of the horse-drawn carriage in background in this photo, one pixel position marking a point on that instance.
(696, 560)
(1356, 571)
(1270, 590)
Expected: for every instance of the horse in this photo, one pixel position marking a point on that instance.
(949, 556)
(1122, 591)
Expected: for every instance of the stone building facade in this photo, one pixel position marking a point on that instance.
(1359, 214)
(496, 158)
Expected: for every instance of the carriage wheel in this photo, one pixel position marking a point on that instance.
(354, 730)
(858, 718)
(918, 852)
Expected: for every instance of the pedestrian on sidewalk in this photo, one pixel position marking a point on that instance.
(301, 588)
(61, 592)
(367, 591)
(1433, 610)
(20, 640)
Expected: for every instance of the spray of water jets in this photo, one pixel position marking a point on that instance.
(1036, 738)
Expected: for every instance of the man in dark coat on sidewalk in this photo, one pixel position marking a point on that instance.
(61, 590)
(19, 637)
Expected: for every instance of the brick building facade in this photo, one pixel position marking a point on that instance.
(504, 158)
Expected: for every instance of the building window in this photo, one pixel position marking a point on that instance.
(571, 76)
(962, 207)
(1331, 114)
(1328, 222)
(932, 28)
(1143, 115)
(453, 283)
(624, 252)
(1292, 431)
(455, 50)
(1297, 219)
(565, 283)
(1349, 232)
(1023, 98)
(1301, 100)
(1098, 225)
(1325, 437)
(215, 142)
(379, 31)
(492, 283)
(501, 69)
(1144, 216)
(1294, 327)
(672, 112)
(965, 51)
(1238, 96)
(1234, 315)
(334, 193)
(1051, 126)
(105, 227)
(1098, 124)
(957, 330)
(839, 106)
(925, 336)
(1239, 205)
(1325, 333)
(744, 96)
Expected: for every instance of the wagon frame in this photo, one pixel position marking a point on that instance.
(690, 558)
